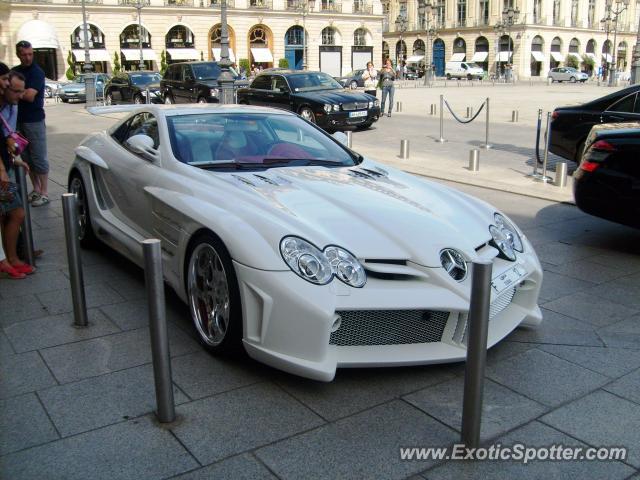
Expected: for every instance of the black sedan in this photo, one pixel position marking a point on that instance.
(132, 87)
(607, 184)
(571, 125)
(315, 96)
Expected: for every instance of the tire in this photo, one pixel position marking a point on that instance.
(64, 100)
(138, 100)
(579, 151)
(213, 295)
(364, 126)
(572, 79)
(353, 85)
(307, 114)
(108, 100)
(86, 234)
(168, 99)
(202, 100)
(448, 76)
(48, 92)
(469, 77)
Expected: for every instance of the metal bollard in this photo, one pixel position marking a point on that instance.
(349, 138)
(478, 325)
(561, 175)
(398, 107)
(158, 330)
(148, 98)
(434, 109)
(404, 149)
(441, 139)
(543, 176)
(27, 232)
(474, 160)
(514, 116)
(486, 145)
(70, 214)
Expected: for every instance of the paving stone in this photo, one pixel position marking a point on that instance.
(628, 326)
(5, 347)
(131, 288)
(137, 449)
(354, 390)
(33, 284)
(621, 340)
(627, 386)
(545, 378)
(233, 422)
(23, 424)
(200, 374)
(241, 467)
(582, 307)
(555, 286)
(601, 419)
(59, 301)
(23, 373)
(100, 401)
(57, 330)
(502, 409)
(134, 314)
(587, 271)
(559, 253)
(366, 445)
(612, 362)
(111, 353)
(504, 350)
(533, 435)
(617, 292)
(557, 329)
(624, 262)
(16, 309)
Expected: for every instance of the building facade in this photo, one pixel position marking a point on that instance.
(544, 35)
(341, 35)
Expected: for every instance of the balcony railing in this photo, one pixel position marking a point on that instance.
(558, 22)
(261, 4)
(362, 7)
(88, 2)
(30, 1)
(134, 3)
(217, 3)
(461, 22)
(330, 6)
(178, 3)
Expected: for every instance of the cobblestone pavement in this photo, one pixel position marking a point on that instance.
(78, 403)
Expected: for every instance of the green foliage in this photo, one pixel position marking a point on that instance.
(71, 71)
(116, 63)
(244, 64)
(588, 62)
(283, 63)
(163, 62)
(572, 61)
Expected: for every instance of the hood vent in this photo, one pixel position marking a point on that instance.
(243, 180)
(362, 174)
(266, 179)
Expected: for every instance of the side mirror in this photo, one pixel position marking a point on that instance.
(341, 137)
(143, 146)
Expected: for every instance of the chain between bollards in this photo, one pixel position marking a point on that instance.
(27, 231)
(478, 325)
(76, 279)
(158, 330)
(486, 145)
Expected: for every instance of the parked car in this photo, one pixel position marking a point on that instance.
(468, 70)
(316, 96)
(607, 183)
(193, 82)
(51, 87)
(286, 243)
(132, 87)
(76, 89)
(352, 80)
(567, 74)
(571, 125)
(414, 72)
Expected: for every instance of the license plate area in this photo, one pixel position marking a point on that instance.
(507, 279)
(361, 113)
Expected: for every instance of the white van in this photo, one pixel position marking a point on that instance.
(468, 70)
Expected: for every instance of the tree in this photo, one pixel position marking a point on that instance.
(283, 63)
(116, 63)
(572, 61)
(71, 71)
(588, 63)
(163, 62)
(244, 65)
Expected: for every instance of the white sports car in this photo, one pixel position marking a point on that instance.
(285, 242)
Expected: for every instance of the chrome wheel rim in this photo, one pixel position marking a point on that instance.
(81, 206)
(202, 100)
(109, 99)
(137, 100)
(167, 100)
(307, 114)
(209, 299)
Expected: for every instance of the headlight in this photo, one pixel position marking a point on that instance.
(327, 107)
(319, 267)
(505, 237)
(336, 108)
(377, 103)
(370, 104)
(213, 92)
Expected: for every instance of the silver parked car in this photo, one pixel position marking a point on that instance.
(567, 74)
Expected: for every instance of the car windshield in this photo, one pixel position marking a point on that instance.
(252, 141)
(144, 78)
(78, 79)
(308, 82)
(210, 71)
(473, 65)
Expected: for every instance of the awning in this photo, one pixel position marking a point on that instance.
(40, 34)
(183, 53)
(538, 56)
(480, 56)
(457, 57)
(133, 54)
(607, 57)
(504, 56)
(557, 56)
(216, 54)
(591, 55)
(95, 55)
(262, 55)
(415, 58)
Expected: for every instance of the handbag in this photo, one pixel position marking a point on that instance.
(21, 142)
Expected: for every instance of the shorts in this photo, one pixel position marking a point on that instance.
(16, 202)
(36, 153)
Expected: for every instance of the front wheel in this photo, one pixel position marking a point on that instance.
(469, 77)
(108, 100)
(85, 231)
(213, 295)
(353, 84)
(572, 79)
(202, 100)
(448, 77)
(307, 114)
(48, 92)
(168, 99)
(138, 100)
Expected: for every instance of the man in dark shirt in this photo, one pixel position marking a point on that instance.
(31, 123)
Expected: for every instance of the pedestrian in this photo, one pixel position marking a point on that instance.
(31, 123)
(11, 210)
(370, 77)
(386, 77)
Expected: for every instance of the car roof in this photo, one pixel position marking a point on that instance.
(173, 110)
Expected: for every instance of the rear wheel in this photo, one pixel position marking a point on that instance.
(307, 114)
(48, 92)
(85, 231)
(353, 84)
(469, 77)
(108, 99)
(448, 76)
(138, 100)
(202, 100)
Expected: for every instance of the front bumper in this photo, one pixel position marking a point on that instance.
(288, 322)
(345, 119)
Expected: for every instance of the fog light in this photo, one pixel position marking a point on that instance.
(336, 323)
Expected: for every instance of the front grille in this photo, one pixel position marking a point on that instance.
(389, 327)
(355, 106)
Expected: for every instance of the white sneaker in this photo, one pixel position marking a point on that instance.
(32, 196)
(40, 201)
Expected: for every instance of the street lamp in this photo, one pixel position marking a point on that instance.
(138, 6)
(225, 79)
(635, 64)
(89, 79)
(621, 7)
(606, 25)
(401, 26)
(426, 11)
(499, 30)
(305, 7)
(509, 18)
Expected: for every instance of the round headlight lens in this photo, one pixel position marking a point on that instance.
(502, 242)
(377, 103)
(346, 267)
(306, 260)
(213, 92)
(510, 231)
(327, 108)
(336, 108)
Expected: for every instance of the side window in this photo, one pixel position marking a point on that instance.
(279, 84)
(626, 105)
(262, 82)
(186, 73)
(144, 124)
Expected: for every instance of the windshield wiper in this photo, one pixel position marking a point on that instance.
(297, 162)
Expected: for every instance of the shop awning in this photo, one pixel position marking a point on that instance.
(591, 55)
(39, 33)
(415, 58)
(480, 56)
(262, 55)
(557, 56)
(457, 57)
(95, 54)
(607, 57)
(133, 54)
(183, 53)
(538, 56)
(216, 54)
(504, 56)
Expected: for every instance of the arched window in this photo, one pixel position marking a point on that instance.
(294, 36)
(482, 44)
(418, 47)
(328, 36)
(258, 37)
(537, 44)
(574, 45)
(360, 37)
(401, 50)
(95, 37)
(459, 46)
(556, 44)
(178, 37)
(385, 52)
(130, 37)
(591, 46)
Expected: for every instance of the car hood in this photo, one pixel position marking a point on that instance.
(374, 212)
(334, 96)
(73, 87)
(151, 86)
